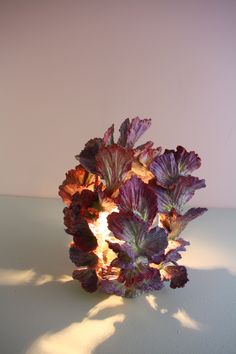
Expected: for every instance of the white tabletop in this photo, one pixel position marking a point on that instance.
(42, 311)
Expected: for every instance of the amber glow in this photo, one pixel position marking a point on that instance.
(102, 233)
(141, 171)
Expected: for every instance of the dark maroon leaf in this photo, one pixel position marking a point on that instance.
(87, 157)
(81, 258)
(88, 279)
(177, 275)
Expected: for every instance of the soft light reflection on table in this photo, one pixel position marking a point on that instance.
(44, 312)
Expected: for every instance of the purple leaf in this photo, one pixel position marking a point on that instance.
(152, 281)
(172, 164)
(154, 242)
(126, 226)
(187, 162)
(136, 129)
(139, 241)
(179, 195)
(130, 132)
(135, 196)
(165, 169)
(140, 280)
(125, 254)
(113, 287)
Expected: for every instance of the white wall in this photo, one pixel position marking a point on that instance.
(71, 68)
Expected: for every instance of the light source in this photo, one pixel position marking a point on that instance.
(125, 212)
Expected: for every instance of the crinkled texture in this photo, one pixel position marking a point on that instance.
(76, 180)
(139, 240)
(152, 281)
(113, 163)
(140, 280)
(81, 258)
(87, 157)
(177, 275)
(175, 223)
(113, 287)
(78, 227)
(143, 148)
(130, 132)
(147, 156)
(85, 204)
(88, 279)
(124, 128)
(179, 195)
(143, 155)
(165, 169)
(170, 165)
(135, 196)
(108, 138)
(136, 129)
(155, 243)
(123, 252)
(88, 204)
(126, 227)
(85, 199)
(73, 220)
(87, 242)
(187, 162)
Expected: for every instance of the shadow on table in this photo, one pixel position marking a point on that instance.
(56, 318)
(44, 312)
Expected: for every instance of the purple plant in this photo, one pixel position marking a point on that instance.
(124, 210)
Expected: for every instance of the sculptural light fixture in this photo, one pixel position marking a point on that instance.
(125, 212)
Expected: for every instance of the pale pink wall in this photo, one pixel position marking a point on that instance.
(71, 68)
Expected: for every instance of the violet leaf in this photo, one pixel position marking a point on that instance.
(179, 195)
(135, 196)
(172, 164)
(130, 132)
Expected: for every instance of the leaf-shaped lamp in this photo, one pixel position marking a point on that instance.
(125, 211)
